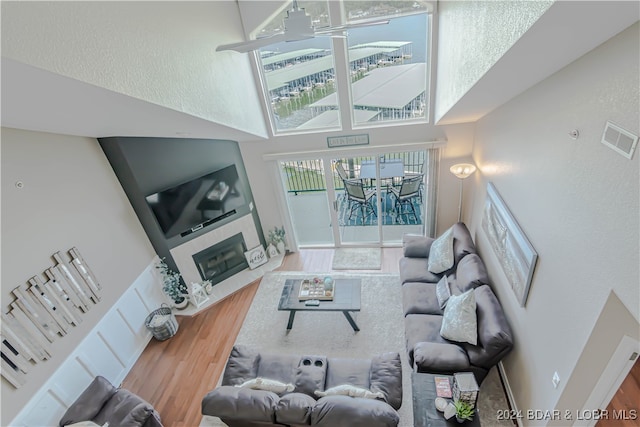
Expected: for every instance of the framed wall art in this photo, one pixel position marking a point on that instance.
(513, 249)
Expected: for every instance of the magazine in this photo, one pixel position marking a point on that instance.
(443, 387)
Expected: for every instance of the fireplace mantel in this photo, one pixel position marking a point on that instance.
(183, 257)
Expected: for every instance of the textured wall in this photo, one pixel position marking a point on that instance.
(101, 43)
(472, 36)
(578, 202)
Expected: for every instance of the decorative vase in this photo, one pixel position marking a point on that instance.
(460, 420)
(181, 305)
(272, 251)
(280, 246)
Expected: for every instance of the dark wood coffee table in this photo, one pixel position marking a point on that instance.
(425, 414)
(346, 299)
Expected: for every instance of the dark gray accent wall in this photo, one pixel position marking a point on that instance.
(147, 165)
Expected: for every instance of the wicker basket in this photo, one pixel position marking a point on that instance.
(162, 323)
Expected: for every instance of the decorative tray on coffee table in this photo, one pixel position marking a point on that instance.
(316, 289)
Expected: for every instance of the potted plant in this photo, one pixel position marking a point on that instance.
(172, 285)
(276, 237)
(464, 411)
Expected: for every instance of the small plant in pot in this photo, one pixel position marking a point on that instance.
(276, 237)
(464, 411)
(172, 285)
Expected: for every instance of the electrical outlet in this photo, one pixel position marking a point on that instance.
(555, 380)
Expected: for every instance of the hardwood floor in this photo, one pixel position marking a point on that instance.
(624, 408)
(174, 375)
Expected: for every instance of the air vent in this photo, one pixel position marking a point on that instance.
(620, 140)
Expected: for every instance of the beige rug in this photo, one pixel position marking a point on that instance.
(328, 333)
(357, 259)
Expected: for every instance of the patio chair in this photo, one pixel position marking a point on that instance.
(357, 197)
(408, 191)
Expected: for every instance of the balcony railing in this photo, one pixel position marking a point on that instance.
(308, 175)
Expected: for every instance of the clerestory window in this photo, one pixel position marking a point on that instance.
(379, 77)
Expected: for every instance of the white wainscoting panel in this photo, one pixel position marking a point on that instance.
(110, 350)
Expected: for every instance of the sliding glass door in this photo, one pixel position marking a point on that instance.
(363, 200)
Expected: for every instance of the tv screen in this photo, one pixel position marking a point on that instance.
(189, 206)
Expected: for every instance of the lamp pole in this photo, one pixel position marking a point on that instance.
(462, 171)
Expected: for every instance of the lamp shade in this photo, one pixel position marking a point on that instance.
(463, 170)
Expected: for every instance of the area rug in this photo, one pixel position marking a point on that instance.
(357, 259)
(328, 333)
(389, 213)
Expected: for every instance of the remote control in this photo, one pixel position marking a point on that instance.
(313, 302)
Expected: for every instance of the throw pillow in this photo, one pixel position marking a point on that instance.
(443, 292)
(349, 390)
(459, 322)
(441, 253)
(267, 385)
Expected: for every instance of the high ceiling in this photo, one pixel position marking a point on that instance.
(42, 96)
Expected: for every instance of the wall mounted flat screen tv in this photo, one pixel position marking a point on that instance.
(196, 203)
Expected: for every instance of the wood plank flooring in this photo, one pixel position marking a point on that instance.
(174, 375)
(624, 408)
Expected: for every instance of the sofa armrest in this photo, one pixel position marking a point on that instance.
(386, 376)
(229, 402)
(494, 334)
(439, 357)
(90, 402)
(416, 246)
(345, 411)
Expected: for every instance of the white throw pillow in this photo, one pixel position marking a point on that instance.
(350, 390)
(459, 322)
(267, 385)
(441, 253)
(443, 292)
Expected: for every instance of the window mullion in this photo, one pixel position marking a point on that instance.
(341, 65)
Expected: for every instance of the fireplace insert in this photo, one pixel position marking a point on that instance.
(222, 260)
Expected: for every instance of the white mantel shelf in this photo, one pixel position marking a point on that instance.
(232, 284)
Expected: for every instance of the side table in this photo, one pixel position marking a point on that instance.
(425, 414)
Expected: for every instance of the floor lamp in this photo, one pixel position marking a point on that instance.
(462, 171)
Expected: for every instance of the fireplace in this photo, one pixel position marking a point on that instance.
(222, 260)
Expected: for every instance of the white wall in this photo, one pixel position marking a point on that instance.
(71, 197)
(169, 60)
(578, 202)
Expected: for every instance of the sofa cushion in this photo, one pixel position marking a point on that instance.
(242, 365)
(420, 298)
(416, 246)
(345, 411)
(494, 334)
(462, 242)
(280, 367)
(471, 273)
(439, 357)
(443, 292)
(228, 402)
(348, 371)
(386, 376)
(311, 374)
(459, 321)
(422, 328)
(90, 401)
(441, 254)
(124, 409)
(295, 409)
(415, 270)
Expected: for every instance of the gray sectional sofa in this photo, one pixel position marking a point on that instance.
(427, 349)
(298, 403)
